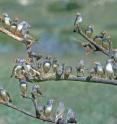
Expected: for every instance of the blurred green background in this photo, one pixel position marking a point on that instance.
(52, 24)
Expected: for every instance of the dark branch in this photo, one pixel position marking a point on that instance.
(83, 79)
(98, 47)
(26, 113)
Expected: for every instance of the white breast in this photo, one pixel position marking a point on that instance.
(28, 67)
(7, 21)
(47, 64)
(3, 93)
(19, 28)
(79, 19)
(49, 108)
(23, 85)
(109, 68)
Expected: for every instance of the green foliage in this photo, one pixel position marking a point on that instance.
(63, 6)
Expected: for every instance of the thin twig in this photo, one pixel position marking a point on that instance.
(98, 47)
(26, 113)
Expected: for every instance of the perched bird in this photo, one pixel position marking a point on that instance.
(71, 117)
(36, 91)
(14, 24)
(109, 72)
(54, 65)
(59, 71)
(6, 21)
(23, 28)
(89, 31)
(17, 69)
(115, 69)
(92, 73)
(61, 121)
(88, 47)
(67, 71)
(115, 55)
(23, 87)
(46, 65)
(77, 21)
(99, 71)
(106, 41)
(59, 115)
(103, 39)
(31, 72)
(98, 39)
(48, 108)
(80, 69)
(4, 95)
(39, 110)
(34, 55)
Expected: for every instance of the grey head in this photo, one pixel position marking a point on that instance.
(109, 61)
(59, 71)
(25, 24)
(36, 88)
(50, 102)
(5, 15)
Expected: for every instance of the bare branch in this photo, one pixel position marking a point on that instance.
(20, 39)
(83, 79)
(26, 113)
(98, 47)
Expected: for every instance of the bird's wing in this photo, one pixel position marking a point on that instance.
(60, 110)
(70, 114)
(39, 91)
(12, 73)
(9, 97)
